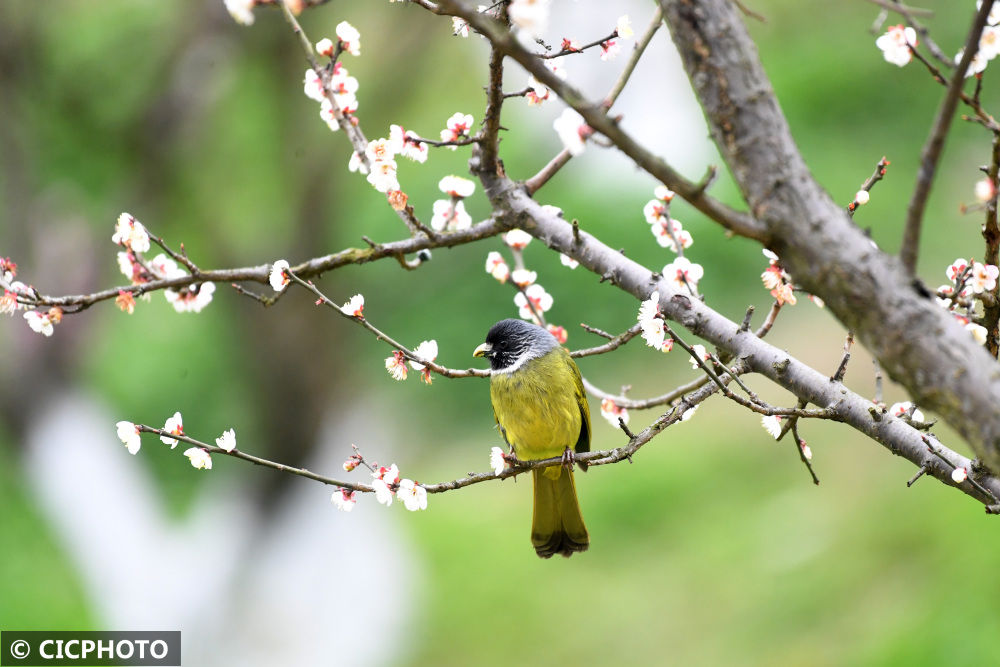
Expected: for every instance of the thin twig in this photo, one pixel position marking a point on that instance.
(838, 375)
(931, 152)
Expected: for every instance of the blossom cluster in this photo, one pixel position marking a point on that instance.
(969, 281)
(669, 233)
(131, 235)
(386, 483)
(989, 42)
(40, 321)
(450, 214)
(898, 42)
(199, 457)
(531, 299)
(777, 280)
(395, 363)
(651, 322)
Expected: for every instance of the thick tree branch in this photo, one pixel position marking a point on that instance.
(915, 340)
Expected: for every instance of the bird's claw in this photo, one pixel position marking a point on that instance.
(568, 458)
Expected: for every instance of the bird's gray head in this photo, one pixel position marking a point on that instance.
(510, 343)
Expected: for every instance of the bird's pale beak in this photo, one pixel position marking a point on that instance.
(483, 350)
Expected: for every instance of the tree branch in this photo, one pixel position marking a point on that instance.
(937, 361)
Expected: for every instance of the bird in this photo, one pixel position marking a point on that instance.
(542, 412)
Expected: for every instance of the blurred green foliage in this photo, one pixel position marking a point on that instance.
(712, 548)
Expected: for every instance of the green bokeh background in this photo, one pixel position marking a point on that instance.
(713, 547)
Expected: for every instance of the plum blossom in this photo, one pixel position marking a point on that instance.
(653, 330)
(241, 10)
(663, 193)
(457, 128)
(983, 277)
(354, 307)
(778, 281)
(670, 233)
(456, 186)
(895, 44)
(227, 441)
(976, 66)
(130, 233)
(535, 295)
(450, 215)
(428, 351)
(312, 85)
(192, 299)
(610, 49)
(352, 462)
(278, 279)
(497, 461)
(344, 87)
(395, 365)
(199, 458)
(344, 499)
(380, 149)
(979, 333)
(530, 16)
(538, 92)
(568, 261)
(959, 475)
(985, 190)
(383, 175)
(357, 164)
(165, 268)
(989, 42)
(772, 424)
(175, 426)
(612, 413)
(523, 277)
(624, 27)
(497, 267)
(39, 322)
(900, 409)
(324, 47)
(517, 239)
(350, 38)
(572, 130)
(559, 333)
(383, 479)
(8, 302)
(412, 495)
(684, 273)
(701, 353)
(125, 301)
(994, 15)
(404, 143)
(128, 433)
(459, 27)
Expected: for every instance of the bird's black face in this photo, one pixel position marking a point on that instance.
(511, 342)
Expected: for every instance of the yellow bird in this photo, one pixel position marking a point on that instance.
(542, 411)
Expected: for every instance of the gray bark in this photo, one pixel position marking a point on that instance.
(916, 341)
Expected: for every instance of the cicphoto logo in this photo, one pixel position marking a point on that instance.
(39, 647)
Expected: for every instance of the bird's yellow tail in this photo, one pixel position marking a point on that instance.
(557, 526)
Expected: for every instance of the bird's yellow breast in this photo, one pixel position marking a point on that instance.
(537, 406)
